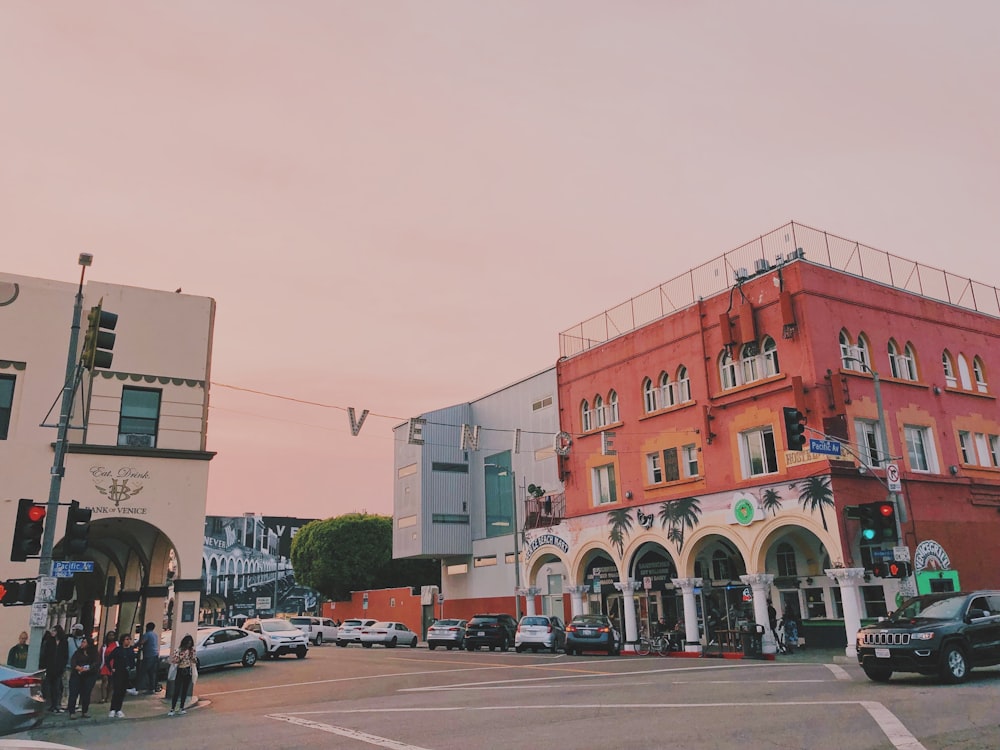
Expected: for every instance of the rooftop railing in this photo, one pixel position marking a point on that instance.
(785, 244)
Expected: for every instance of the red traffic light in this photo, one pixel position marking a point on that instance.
(36, 513)
(886, 509)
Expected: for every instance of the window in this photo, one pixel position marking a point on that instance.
(869, 441)
(979, 372)
(454, 570)
(668, 396)
(648, 396)
(671, 471)
(541, 403)
(600, 415)
(690, 458)
(655, 470)
(986, 449)
(6, 403)
(462, 518)
(920, 448)
(994, 443)
(683, 385)
(585, 416)
(612, 407)
(854, 357)
(749, 362)
(484, 562)
(963, 372)
(949, 369)
(727, 369)
(874, 600)
(966, 447)
(902, 363)
(721, 568)
(450, 468)
(605, 490)
(757, 453)
(769, 357)
(139, 418)
(785, 555)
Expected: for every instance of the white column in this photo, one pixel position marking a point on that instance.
(529, 599)
(576, 599)
(687, 587)
(849, 580)
(760, 585)
(628, 604)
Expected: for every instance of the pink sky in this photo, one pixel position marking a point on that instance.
(398, 206)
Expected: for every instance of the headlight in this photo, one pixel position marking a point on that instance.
(921, 636)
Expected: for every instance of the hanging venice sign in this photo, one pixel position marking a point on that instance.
(543, 539)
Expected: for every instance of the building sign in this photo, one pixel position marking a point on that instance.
(119, 485)
(930, 555)
(543, 539)
(793, 458)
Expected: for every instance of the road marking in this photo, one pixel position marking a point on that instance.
(353, 734)
(893, 727)
(839, 672)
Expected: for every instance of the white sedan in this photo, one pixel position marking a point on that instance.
(389, 634)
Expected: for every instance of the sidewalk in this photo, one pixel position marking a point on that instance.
(140, 706)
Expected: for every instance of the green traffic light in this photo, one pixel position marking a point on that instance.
(868, 534)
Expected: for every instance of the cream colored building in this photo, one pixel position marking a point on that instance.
(137, 448)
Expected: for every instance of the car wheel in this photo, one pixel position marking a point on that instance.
(448, 647)
(470, 647)
(431, 647)
(504, 646)
(301, 652)
(249, 658)
(877, 674)
(493, 648)
(342, 644)
(553, 649)
(319, 639)
(954, 666)
(413, 644)
(392, 643)
(366, 645)
(569, 651)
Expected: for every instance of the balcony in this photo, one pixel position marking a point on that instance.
(546, 511)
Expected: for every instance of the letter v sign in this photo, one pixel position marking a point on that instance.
(356, 423)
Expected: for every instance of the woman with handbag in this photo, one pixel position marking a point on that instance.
(182, 661)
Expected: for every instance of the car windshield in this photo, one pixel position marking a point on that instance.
(535, 621)
(929, 609)
(277, 626)
(381, 625)
(351, 623)
(483, 621)
(590, 620)
(300, 621)
(447, 623)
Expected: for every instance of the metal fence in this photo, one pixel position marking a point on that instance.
(785, 244)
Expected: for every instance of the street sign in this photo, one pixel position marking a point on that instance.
(440, 598)
(46, 589)
(882, 554)
(39, 615)
(263, 602)
(901, 554)
(66, 568)
(892, 478)
(827, 447)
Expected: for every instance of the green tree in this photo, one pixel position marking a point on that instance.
(353, 553)
(620, 521)
(770, 500)
(815, 494)
(675, 515)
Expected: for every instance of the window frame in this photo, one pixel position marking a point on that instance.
(948, 366)
(604, 486)
(979, 374)
(755, 444)
(924, 462)
(654, 468)
(7, 409)
(868, 438)
(649, 395)
(139, 420)
(690, 460)
(683, 385)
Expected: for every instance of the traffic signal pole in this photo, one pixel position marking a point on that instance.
(73, 373)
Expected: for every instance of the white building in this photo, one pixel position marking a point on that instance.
(141, 463)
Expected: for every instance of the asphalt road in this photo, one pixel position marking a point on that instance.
(415, 699)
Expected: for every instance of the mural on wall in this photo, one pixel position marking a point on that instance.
(814, 494)
(247, 570)
(675, 516)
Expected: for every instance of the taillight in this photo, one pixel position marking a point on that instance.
(519, 627)
(604, 630)
(571, 628)
(452, 630)
(21, 682)
(550, 627)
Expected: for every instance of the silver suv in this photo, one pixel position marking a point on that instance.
(280, 636)
(317, 629)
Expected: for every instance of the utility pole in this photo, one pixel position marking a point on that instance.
(73, 374)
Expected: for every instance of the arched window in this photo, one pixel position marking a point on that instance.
(721, 569)
(845, 351)
(612, 407)
(683, 385)
(949, 369)
(785, 558)
(979, 371)
(668, 396)
(727, 370)
(901, 361)
(963, 373)
(648, 396)
(854, 356)
(749, 363)
(585, 417)
(769, 353)
(864, 351)
(600, 416)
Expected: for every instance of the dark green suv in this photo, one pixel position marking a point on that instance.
(943, 634)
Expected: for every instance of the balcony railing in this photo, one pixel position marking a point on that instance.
(787, 243)
(541, 512)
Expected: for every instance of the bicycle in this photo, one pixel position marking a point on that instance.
(659, 643)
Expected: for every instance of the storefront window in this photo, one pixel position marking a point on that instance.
(815, 603)
(874, 599)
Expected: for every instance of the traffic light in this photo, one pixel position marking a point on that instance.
(869, 523)
(795, 428)
(878, 523)
(77, 530)
(892, 569)
(28, 530)
(99, 341)
(17, 592)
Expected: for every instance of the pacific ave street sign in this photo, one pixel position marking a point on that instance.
(66, 568)
(826, 447)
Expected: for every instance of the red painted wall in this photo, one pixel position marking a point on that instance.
(407, 607)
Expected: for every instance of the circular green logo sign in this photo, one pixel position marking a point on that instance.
(743, 510)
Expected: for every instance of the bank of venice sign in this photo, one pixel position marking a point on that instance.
(744, 510)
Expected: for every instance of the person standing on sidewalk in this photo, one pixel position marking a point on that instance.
(55, 653)
(184, 659)
(86, 663)
(17, 657)
(121, 660)
(149, 654)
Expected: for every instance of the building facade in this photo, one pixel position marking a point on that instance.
(136, 455)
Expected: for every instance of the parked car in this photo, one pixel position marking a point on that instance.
(350, 631)
(538, 632)
(280, 636)
(592, 633)
(21, 702)
(217, 647)
(493, 630)
(945, 634)
(389, 634)
(447, 633)
(318, 629)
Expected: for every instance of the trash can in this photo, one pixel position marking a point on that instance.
(753, 641)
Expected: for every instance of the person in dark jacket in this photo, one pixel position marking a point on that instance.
(54, 653)
(121, 660)
(86, 663)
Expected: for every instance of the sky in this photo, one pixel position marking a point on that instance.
(399, 205)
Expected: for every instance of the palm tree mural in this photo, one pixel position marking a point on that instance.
(676, 515)
(770, 500)
(621, 526)
(814, 493)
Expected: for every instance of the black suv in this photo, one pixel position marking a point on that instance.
(490, 630)
(937, 634)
